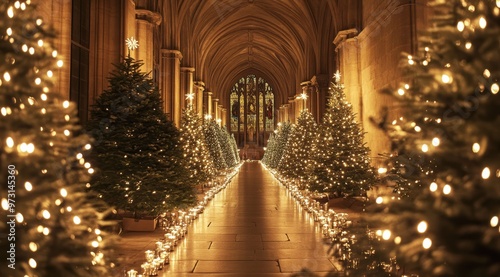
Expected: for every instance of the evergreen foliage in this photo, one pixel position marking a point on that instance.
(341, 162)
(446, 148)
(141, 162)
(211, 130)
(196, 153)
(297, 155)
(51, 226)
(281, 140)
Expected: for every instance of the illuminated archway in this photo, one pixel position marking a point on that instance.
(252, 111)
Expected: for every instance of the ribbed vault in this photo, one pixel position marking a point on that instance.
(284, 41)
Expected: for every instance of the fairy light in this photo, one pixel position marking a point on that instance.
(77, 220)
(10, 142)
(427, 243)
(9, 31)
(54, 54)
(63, 192)
(33, 247)
(386, 234)
(88, 146)
(10, 12)
(19, 217)
(31, 50)
(38, 81)
(66, 133)
(417, 129)
(425, 148)
(486, 173)
(460, 26)
(95, 244)
(28, 186)
(50, 73)
(39, 22)
(59, 63)
(495, 88)
(447, 189)
(476, 147)
(468, 45)
(401, 91)
(494, 221)
(382, 170)
(6, 76)
(66, 104)
(40, 43)
(422, 227)
(482, 22)
(46, 231)
(486, 73)
(446, 78)
(379, 200)
(5, 204)
(436, 142)
(46, 214)
(32, 263)
(79, 156)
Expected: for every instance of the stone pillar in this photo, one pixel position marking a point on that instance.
(314, 102)
(145, 21)
(209, 104)
(223, 116)
(306, 90)
(321, 84)
(286, 113)
(215, 109)
(186, 86)
(347, 47)
(199, 88)
(170, 75)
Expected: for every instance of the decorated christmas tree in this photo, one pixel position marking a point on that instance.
(302, 141)
(269, 150)
(51, 226)
(141, 163)
(234, 145)
(341, 162)
(226, 147)
(211, 131)
(449, 225)
(196, 153)
(281, 140)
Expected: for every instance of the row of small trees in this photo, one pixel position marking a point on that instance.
(329, 157)
(145, 164)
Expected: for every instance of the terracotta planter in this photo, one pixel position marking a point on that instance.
(139, 224)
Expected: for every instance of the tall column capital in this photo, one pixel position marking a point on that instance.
(199, 84)
(149, 16)
(171, 54)
(344, 36)
(187, 69)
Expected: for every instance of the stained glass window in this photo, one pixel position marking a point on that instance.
(252, 110)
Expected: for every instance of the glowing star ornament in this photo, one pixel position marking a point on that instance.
(337, 76)
(132, 43)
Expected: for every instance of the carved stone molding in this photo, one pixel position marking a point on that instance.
(168, 53)
(343, 36)
(149, 16)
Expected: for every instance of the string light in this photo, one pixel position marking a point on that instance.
(486, 173)
(436, 142)
(476, 147)
(446, 78)
(494, 88)
(460, 26)
(6, 76)
(482, 22)
(447, 189)
(427, 243)
(425, 148)
(422, 227)
(28, 186)
(494, 221)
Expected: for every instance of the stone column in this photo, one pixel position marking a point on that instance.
(199, 88)
(186, 86)
(321, 83)
(215, 109)
(145, 21)
(306, 90)
(170, 71)
(209, 103)
(223, 116)
(347, 47)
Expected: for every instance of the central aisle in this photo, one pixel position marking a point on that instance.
(251, 228)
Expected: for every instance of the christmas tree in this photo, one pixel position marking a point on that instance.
(302, 141)
(341, 163)
(281, 140)
(234, 145)
(196, 153)
(226, 146)
(210, 129)
(449, 225)
(51, 226)
(269, 149)
(137, 150)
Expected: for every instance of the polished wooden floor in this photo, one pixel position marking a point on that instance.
(251, 228)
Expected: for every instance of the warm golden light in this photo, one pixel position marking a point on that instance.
(433, 187)
(422, 227)
(427, 243)
(494, 221)
(486, 173)
(447, 189)
(476, 147)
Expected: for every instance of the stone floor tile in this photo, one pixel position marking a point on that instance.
(246, 267)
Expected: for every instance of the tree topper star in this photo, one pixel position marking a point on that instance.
(337, 76)
(131, 43)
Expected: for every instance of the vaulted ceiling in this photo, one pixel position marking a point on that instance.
(285, 41)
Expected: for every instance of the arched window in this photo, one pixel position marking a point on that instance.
(252, 111)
